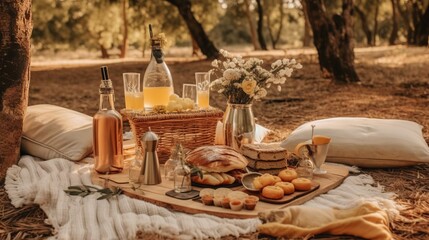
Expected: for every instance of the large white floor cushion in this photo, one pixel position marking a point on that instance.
(51, 131)
(367, 142)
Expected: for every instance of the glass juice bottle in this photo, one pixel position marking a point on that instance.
(157, 81)
(107, 130)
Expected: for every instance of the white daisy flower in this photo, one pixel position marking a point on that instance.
(231, 74)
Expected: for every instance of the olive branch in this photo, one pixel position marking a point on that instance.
(85, 190)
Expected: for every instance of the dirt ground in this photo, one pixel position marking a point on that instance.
(394, 84)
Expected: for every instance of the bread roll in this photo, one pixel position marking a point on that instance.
(288, 188)
(272, 192)
(302, 184)
(214, 179)
(208, 179)
(267, 179)
(288, 175)
(217, 158)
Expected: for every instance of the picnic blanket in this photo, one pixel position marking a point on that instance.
(73, 217)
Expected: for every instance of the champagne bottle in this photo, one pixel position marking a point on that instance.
(107, 130)
(157, 81)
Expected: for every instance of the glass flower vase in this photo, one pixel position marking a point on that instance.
(238, 125)
(182, 179)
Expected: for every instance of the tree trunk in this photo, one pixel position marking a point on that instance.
(15, 33)
(104, 53)
(306, 41)
(195, 28)
(422, 29)
(144, 39)
(253, 34)
(333, 40)
(365, 25)
(260, 29)
(404, 13)
(275, 39)
(374, 36)
(124, 46)
(394, 33)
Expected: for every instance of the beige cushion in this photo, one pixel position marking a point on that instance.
(50, 132)
(367, 142)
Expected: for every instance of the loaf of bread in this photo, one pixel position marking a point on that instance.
(264, 151)
(216, 158)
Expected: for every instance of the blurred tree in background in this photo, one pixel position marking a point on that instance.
(111, 26)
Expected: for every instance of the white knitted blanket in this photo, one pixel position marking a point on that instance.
(74, 217)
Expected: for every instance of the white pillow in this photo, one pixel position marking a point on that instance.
(50, 132)
(367, 142)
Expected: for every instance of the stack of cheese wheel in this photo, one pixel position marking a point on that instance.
(265, 157)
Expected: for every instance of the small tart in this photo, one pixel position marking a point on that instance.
(237, 195)
(207, 200)
(206, 191)
(236, 204)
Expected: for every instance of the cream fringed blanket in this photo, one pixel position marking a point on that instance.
(44, 182)
(73, 217)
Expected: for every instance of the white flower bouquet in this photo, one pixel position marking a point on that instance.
(243, 81)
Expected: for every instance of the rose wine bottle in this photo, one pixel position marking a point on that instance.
(107, 130)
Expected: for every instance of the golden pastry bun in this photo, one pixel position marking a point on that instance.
(288, 175)
(218, 158)
(265, 180)
(272, 192)
(302, 184)
(288, 188)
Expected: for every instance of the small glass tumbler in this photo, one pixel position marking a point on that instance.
(190, 91)
(202, 80)
(132, 91)
(134, 170)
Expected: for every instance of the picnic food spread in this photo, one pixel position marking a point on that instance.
(214, 167)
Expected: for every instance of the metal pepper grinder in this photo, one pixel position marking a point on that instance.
(150, 173)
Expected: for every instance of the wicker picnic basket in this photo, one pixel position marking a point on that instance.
(192, 128)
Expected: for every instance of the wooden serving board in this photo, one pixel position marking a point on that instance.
(156, 193)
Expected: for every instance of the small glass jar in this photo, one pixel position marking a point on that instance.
(172, 162)
(134, 170)
(169, 167)
(182, 178)
(305, 168)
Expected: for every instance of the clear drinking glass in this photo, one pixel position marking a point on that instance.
(132, 91)
(202, 80)
(320, 151)
(190, 91)
(134, 170)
